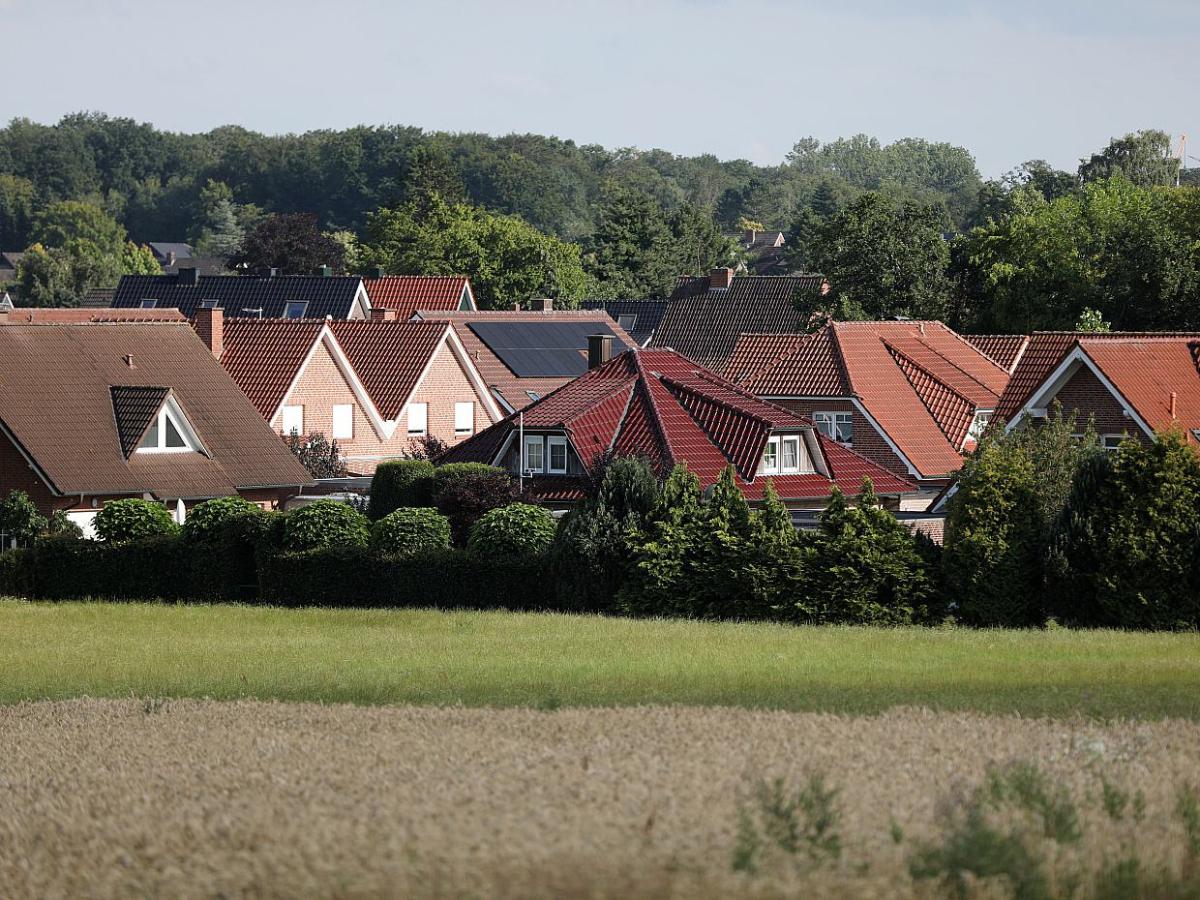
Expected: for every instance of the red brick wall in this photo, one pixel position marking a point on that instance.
(322, 386)
(868, 441)
(1085, 393)
(16, 475)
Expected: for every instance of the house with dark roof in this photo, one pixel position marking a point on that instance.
(639, 318)
(91, 413)
(910, 396)
(525, 354)
(266, 296)
(405, 294)
(1127, 384)
(705, 316)
(373, 386)
(168, 253)
(764, 251)
(663, 406)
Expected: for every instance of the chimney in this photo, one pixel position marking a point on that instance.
(599, 349)
(189, 276)
(170, 257)
(720, 278)
(542, 304)
(210, 325)
(382, 315)
(272, 272)
(377, 272)
(128, 360)
(324, 272)
(1174, 397)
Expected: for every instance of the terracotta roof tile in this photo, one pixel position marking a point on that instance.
(389, 357)
(1003, 349)
(265, 355)
(405, 294)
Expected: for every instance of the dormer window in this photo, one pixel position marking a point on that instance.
(295, 309)
(166, 434)
(786, 454)
(150, 420)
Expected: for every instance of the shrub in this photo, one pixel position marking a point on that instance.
(16, 573)
(513, 531)
(409, 530)
(400, 483)
(209, 519)
(322, 457)
(463, 492)
(131, 520)
(325, 523)
(60, 526)
(19, 518)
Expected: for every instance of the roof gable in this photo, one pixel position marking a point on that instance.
(134, 408)
(405, 294)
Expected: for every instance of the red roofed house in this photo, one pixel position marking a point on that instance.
(1129, 384)
(909, 396)
(403, 295)
(659, 404)
(373, 386)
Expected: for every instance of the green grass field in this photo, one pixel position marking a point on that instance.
(546, 661)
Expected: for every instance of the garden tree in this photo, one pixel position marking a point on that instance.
(63, 276)
(138, 259)
(20, 520)
(219, 233)
(17, 208)
(72, 220)
(321, 456)
(883, 259)
(744, 224)
(507, 260)
(291, 243)
(1018, 190)
(1092, 322)
(1132, 254)
(698, 244)
(631, 253)
(828, 199)
(1127, 549)
(1144, 158)
(463, 492)
(862, 566)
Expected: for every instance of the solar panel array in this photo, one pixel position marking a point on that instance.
(543, 349)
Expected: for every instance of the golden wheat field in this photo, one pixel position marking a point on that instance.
(192, 798)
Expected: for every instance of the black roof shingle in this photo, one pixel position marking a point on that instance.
(243, 295)
(646, 315)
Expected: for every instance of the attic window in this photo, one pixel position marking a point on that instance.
(167, 433)
(295, 309)
(786, 454)
(627, 321)
(148, 304)
(208, 304)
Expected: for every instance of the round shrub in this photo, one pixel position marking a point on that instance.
(463, 492)
(400, 483)
(513, 531)
(209, 519)
(132, 520)
(325, 523)
(409, 530)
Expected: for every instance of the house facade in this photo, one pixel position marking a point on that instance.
(96, 412)
(661, 405)
(373, 386)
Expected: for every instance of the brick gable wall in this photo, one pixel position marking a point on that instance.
(1086, 393)
(867, 440)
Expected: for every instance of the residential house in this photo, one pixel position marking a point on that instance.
(1125, 384)
(96, 412)
(910, 396)
(9, 260)
(525, 354)
(375, 387)
(764, 252)
(705, 316)
(661, 405)
(405, 294)
(267, 296)
(639, 318)
(168, 253)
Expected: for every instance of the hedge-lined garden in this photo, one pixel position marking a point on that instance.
(1044, 526)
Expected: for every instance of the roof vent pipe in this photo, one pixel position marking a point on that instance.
(1174, 397)
(128, 360)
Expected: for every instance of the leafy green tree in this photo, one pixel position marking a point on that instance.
(133, 520)
(20, 520)
(1091, 321)
(73, 220)
(883, 260)
(138, 259)
(291, 243)
(507, 260)
(220, 232)
(1144, 158)
(630, 255)
(698, 243)
(321, 456)
(1020, 190)
(16, 211)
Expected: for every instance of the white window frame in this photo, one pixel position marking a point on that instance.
(827, 421)
(291, 418)
(803, 459)
(148, 304)
(422, 419)
(785, 442)
(552, 442)
(467, 425)
(165, 414)
(771, 468)
(533, 441)
(342, 422)
(287, 308)
(1115, 444)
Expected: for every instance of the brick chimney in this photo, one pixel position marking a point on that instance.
(720, 278)
(210, 325)
(382, 315)
(542, 304)
(599, 349)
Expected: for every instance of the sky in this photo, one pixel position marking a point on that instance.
(1010, 81)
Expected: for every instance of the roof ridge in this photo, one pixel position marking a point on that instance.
(942, 356)
(899, 355)
(625, 382)
(672, 382)
(655, 415)
(967, 343)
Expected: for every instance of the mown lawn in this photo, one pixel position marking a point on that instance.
(546, 661)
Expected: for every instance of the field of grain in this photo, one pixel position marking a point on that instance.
(190, 798)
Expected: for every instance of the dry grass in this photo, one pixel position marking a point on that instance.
(185, 798)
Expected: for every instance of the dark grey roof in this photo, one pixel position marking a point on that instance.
(98, 298)
(551, 349)
(10, 258)
(160, 249)
(704, 323)
(243, 295)
(206, 265)
(647, 314)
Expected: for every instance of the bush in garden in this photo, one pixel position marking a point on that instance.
(409, 530)
(322, 457)
(1126, 551)
(132, 520)
(513, 532)
(463, 492)
(209, 519)
(400, 483)
(59, 525)
(325, 523)
(19, 518)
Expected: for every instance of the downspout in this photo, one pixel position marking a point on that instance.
(521, 452)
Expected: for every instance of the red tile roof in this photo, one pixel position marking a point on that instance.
(1158, 377)
(659, 404)
(408, 293)
(1004, 349)
(265, 355)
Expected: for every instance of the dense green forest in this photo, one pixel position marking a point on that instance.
(907, 228)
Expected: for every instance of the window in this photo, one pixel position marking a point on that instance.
(1111, 442)
(464, 417)
(534, 460)
(770, 460)
(292, 420)
(343, 421)
(979, 425)
(785, 455)
(533, 395)
(837, 425)
(558, 455)
(295, 309)
(790, 457)
(627, 321)
(149, 304)
(164, 435)
(418, 418)
(208, 304)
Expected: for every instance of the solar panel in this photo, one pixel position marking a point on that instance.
(542, 349)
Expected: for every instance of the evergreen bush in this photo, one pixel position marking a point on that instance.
(209, 519)
(325, 523)
(400, 483)
(513, 532)
(132, 520)
(463, 492)
(410, 530)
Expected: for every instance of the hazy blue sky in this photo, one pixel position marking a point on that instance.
(1008, 80)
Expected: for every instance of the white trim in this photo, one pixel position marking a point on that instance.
(473, 374)
(170, 409)
(552, 441)
(833, 414)
(1057, 380)
(912, 470)
(470, 297)
(361, 302)
(530, 440)
(504, 447)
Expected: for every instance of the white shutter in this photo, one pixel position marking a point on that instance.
(343, 421)
(464, 417)
(292, 419)
(418, 418)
